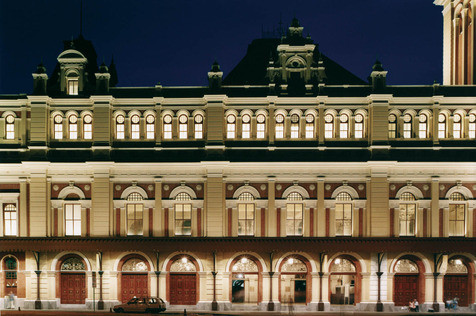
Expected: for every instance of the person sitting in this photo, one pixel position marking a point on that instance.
(417, 306)
(411, 306)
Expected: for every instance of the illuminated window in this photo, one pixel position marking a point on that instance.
(150, 126)
(441, 126)
(135, 126)
(392, 126)
(457, 133)
(246, 215)
(198, 126)
(183, 215)
(472, 126)
(88, 127)
(260, 126)
(246, 126)
(58, 126)
(407, 126)
(120, 126)
(135, 214)
(10, 127)
(183, 126)
(230, 126)
(279, 126)
(423, 126)
(72, 84)
(457, 210)
(343, 214)
(309, 126)
(329, 126)
(407, 214)
(10, 219)
(73, 127)
(168, 126)
(359, 126)
(294, 126)
(10, 269)
(72, 219)
(344, 126)
(294, 214)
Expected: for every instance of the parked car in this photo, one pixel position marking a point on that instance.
(141, 305)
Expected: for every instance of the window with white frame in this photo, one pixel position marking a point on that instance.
(73, 126)
(343, 214)
(472, 126)
(392, 126)
(58, 126)
(457, 214)
(72, 84)
(294, 214)
(72, 219)
(10, 127)
(246, 126)
(150, 126)
(120, 129)
(441, 126)
(198, 126)
(87, 126)
(230, 126)
(135, 126)
(167, 126)
(407, 214)
(260, 126)
(10, 219)
(183, 126)
(309, 126)
(183, 214)
(359, 126)
(423, 126)
(344, 126)
(457, 126)
(135, 214)
(407, 126)
(329, 126)
(246, 214)
(279, 128)
(294, 126)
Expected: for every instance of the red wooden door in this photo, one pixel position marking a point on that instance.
(456, 286)
(405, 289)
(134, 285)
(73, 288)
(183, 289)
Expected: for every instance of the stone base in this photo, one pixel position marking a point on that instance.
(201, 305)
(372, 306)
(6, 304)
(107, 304)
(472, 307)
(45, 304)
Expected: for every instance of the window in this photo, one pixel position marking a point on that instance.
(230, 126)
(183, 214)
(72, 85)
(279, 126)
(246, 126)
(344, 126)
(10, 219)
(457, 208)
(343, 214)
(246, 215)
(168, 126)
(88, 127)
(198, 126)
(423, 126)
(72, 219)
(392, 126)
(294, 126)
(135, 126)
(183, 126)
(11, 275)
(407, 214)
(10, 127)
(294, 214)
(135, 214)
(260, 126)
(329, 126)
(120, 126)
(472, 126)
(150, 126)
(457, 133)
(359, 126)
(58, 126)
(441, 126)
(309, 126)
(73, 126)
(407, 126)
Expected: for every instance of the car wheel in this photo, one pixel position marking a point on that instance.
(120, 310)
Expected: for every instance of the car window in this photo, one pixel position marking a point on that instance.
(132, 301)
(152, 301)
(142, 301)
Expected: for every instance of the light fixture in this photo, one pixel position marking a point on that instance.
(458, 261)
(290, 261)
(244, 260)
(338, 261)
(184, 260)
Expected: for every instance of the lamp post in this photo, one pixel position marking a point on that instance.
(379, 275)
(271, 273)
(320, 305)
(157, 271)
(436, 261)
(36, 254)
(214, 273)
(100, 272)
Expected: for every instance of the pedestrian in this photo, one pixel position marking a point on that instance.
(417, 306)
(11, 301)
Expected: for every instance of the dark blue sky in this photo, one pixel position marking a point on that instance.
(175, 42)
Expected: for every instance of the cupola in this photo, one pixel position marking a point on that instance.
(72, 71)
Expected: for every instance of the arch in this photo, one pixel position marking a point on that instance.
(246, 188)
(56, 112)
(466, 294)
(71, 190)
(416, 257)
(280, 111)
(411, 112)
(134, 189)
(409, 277)
(131, 113)
(59, 258)
(355, 257)
(183, 112)
(198, 112)
(346, 112)
(246, 112)
(7, 113)
(123, 257)
(261, 266)
(304, 257)
(359, 265)
(411, 189)
(118, 112)
(395, 112)
(296, 188)
(331, 112)
(2, 260)
(71, 53)
(84, 113)
(231, 112)
(290, 63)
(183, 189)
(296, 111)
(261, 111)
(362, 112)
(460, 189)
(347, 189)
(166, 112)
(238, 277)
(312, 112)
(176, 255)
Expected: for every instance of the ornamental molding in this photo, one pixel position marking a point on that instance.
(410, 189)
(460, 189)
(296, 188)
(246, 188)
(71, 190)
(134, 189)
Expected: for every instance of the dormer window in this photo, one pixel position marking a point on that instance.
(72, 84)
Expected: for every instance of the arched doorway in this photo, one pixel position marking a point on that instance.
(457, 282)
(246, 280)
(134, 277)
(344, 281)
(10, 268)
(72, 280)
(182, 280)
(295, 280)
(409, 281)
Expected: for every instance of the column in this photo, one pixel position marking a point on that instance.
(272, 217)
(435, 207)
(320, 226)
(100, 200)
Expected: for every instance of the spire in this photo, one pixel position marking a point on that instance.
(377, 66)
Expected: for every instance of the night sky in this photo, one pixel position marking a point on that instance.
(175, 42)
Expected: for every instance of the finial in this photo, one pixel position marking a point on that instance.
(377, 66)
(215, 66)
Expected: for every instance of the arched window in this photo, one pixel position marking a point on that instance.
(457, 124)
(150, 126)
(343, 214)
(246, 126)
(472, 126)
(135, 126)
(72, 84)
(407, 126)
(441, 126)
(135, 214)
(168, 126)
(309, 126)
(10, 219)
(246, 214)
(457, 214)
(279, 126)
(120, 130)
(329, 126)
(294, 214)
(10, 267)
(359, 126)
(260, 126)
(230, 126)
(407, 214)
(183, 214)
(87, 126)
(183, 126)
(72, 219)
(294, 126)
(198, 126)
(10, 127)
(58, 126)
(73, 126)
(392, 126)
(423, 126)
(344, 126)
